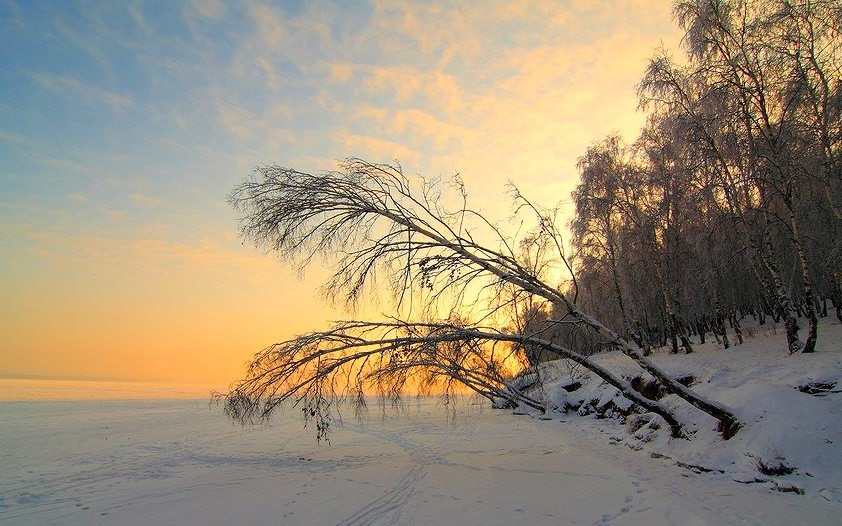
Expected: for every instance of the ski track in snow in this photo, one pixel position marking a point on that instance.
(387, 508)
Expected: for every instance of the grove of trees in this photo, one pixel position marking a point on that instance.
(728, 205)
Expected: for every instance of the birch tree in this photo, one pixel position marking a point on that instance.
(452, 273)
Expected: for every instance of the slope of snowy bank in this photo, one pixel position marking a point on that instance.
(156, 462)
(791, 407)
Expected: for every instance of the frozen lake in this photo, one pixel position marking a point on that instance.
(182, 462)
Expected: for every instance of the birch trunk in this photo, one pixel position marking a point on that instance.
(806, 281)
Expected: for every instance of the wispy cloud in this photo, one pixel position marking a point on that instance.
(340, 72)
(143, 200)
(17, 139)
(213, 9)
(376, 148)
(90, 94)
(63, 164)
(235, 119)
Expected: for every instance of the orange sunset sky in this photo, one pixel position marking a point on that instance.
(124, 125)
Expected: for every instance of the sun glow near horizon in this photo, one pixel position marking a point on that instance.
(125, 126)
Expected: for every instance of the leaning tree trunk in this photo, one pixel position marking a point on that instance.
(729, 424)
(625, 387)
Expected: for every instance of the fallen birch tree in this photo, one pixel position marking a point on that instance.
(376, 226)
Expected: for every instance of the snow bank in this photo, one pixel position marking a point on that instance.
(791, 407)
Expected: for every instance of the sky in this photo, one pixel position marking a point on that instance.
(125, 125)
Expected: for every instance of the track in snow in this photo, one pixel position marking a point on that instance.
(388, 507)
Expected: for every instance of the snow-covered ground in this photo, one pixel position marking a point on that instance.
(181, 462)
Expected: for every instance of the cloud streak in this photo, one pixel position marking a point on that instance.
(88, 93)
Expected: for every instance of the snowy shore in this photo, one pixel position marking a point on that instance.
(151, 462)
